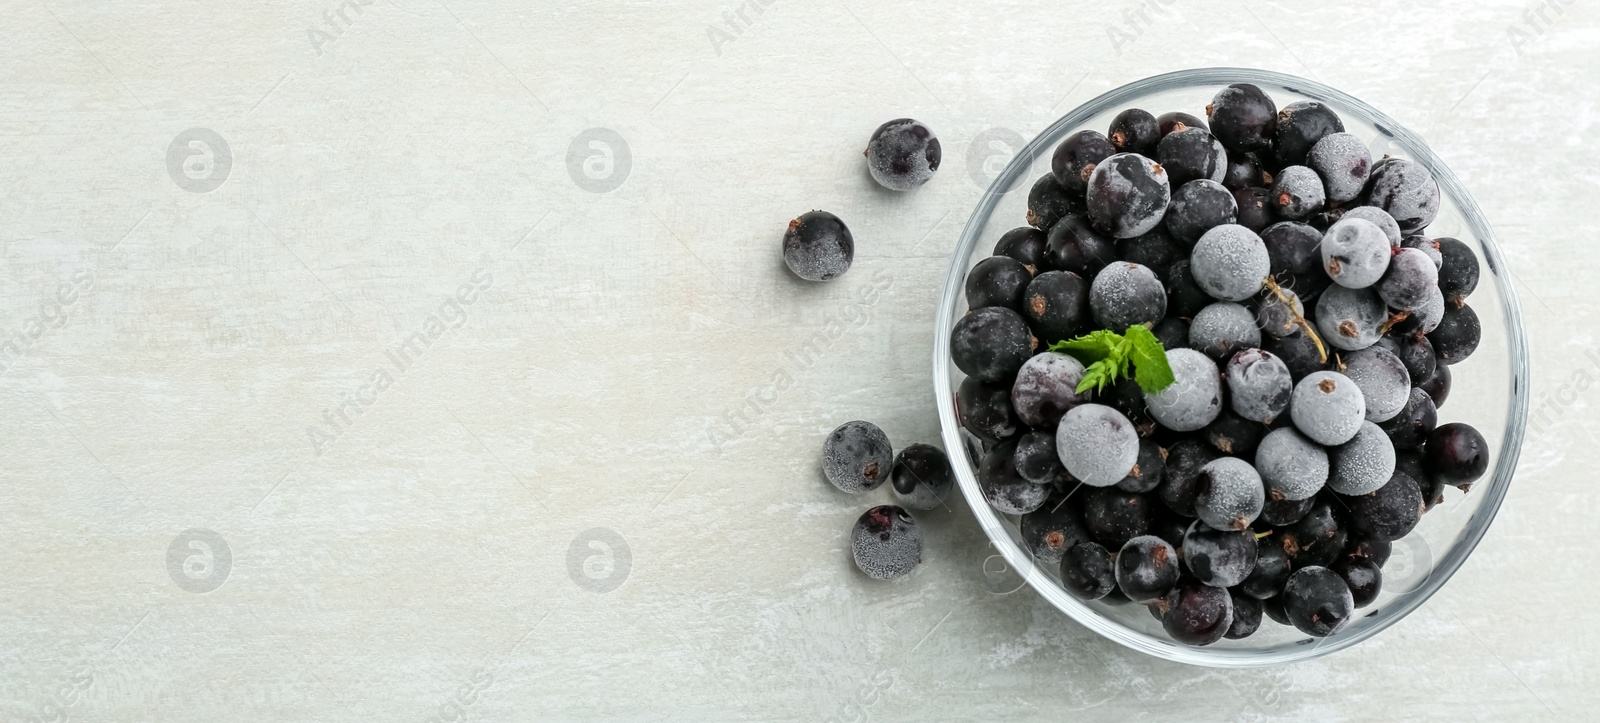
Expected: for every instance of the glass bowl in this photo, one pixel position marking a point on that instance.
(1489, 389)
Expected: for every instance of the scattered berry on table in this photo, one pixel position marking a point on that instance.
(1076, 157)
(1230, 262)
(1147, 568)
(818, 247)
(1317, 602)
(921, 477)
(1292, 468)
(1128, 194)
(903, 154)
(886, 543)
(991, 343)
(1124, 294)
(997, 281)
(857, 457)
(1327, 407)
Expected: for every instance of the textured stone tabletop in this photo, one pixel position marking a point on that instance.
(405, 360)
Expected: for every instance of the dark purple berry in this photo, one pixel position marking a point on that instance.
(984, 409)
(1073, 245)
(1457, 455)
(903, 154)
(1387, 513)
(1155, 248)
(1191, 155)
(1255, 207)
(1363, 578)
(1415, 353)
(1177, 121)
(1298, 352)
(1438, 385)
(1279, 513)
(1458, 269)
(1147, 568)
(1172, 332)
(1048, 203)
(1316, 539)
(1216, 557)
(1025, 244)
(1003, 488)
(1243, 118)
(1245, 170)
(1053, 529)
(1373, 550)
(1246, 616)
(1113, 516)
(1234, 435)
(1088, 571)
(1046, 388)
(1300, 125)
(991, 343)
(1127, 195)
(1317, 601)
(1457, 335)
(1076, 157)
(1185, 298)
(1297, 193)
(1292, 248)
(1271, 571)
(1037, 460)
(886, 542)
(1343, 162)
(1196, 614)
(1147, 472)
(1273, 607)
(1197, 207)
(1135, 131)
(818, 247)
(997, 281)
(1178, 487)
(1056, 305)
(1410, 428)
(1406, 190)
(1124, 294)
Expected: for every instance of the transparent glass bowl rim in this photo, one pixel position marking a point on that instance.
(1018, 559)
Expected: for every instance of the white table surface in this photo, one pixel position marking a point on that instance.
(384, 154)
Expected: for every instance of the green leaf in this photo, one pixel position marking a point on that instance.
(1091, 347)
(1151, 370)
(1097, 376)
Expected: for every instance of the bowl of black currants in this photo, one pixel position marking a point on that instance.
(1239, 374)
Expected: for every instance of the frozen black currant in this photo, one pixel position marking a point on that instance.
(984, 409)
(1172, 332)
(856, 457)
(1076, 157)
(1270, 572)
(1147, 568)
(1147, 471)
(1278, 513)
(903, 154)
(1176, 121)
(921, 477)
(1377, 217)
(1073, 245)
(1246, 616)
(1233, 434)
(997, 281)
(1362, 464)
(1362, 576)
(1025, 244)
(1088, 571)
(1193, 399)
(1113, 517)
(1438, 385)
(1192, 154)
(1406, 190)
(1387, 513)
(1350, 319)
(1427, 246)
(1003, 488)
(1036, 458)
(1316, 539)
(1384, 382)
(991, 343)
(1135, 131)
(1355, 253)
(1053, 529)
(818, 247)
(1279, 312)
(1218, 557)
(1458, 269)
(1056, 305)
(1195, 613)
(1245, 170)
(1457, 335)
(1046, 387)
(1097, 444)
(1255, 207)
(1415, 352)
(1128, 195)
(1343, 162)
(1258, 385)
(1300, 126)
(1292, 467)
(1410, 428)
(1197, 207)
(1185, 298)
(1185, 458)
(1124, 294)
(1230, 262)
(1317, 601)
(1298, 352)
(1373, 550)
(1243, 118)
(1154, 248)
(1228, 494)
(1457, 454)
(1327, 407)
(1048, 203)
(1297, 193)
(886, 542)
(1292, 248)
(1222, 329)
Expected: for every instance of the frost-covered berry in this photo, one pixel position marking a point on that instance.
(1377, 217)
(1327, 407)
(1218, 557)
(1410, 277)
(1362, 464)
(1199, 206)
(1124, 294)
(1191, 154)
(1355, 253)
(1343, 161)
(1230, 262)
(1277, 316)
(1005, 489)
(1388, 513)
(1148, 471)
(1291, 466)
(1097, 444)
(1036, 458)
(1427, 246)
(1223, 328)
(1193, 399)
(991, 343)
(903, 154)
(1046, 388)
(1147, 567)
(1407, 191)
(1258, 385)
(1228, 494)
(886, 542)
(921, 477)
(856, 457)
(818, 247)
(1430, 313)
(1292, 248)
(1128, 194)
(1297, 193)
(1350, 319)
(1301, 125)
(1383, 380)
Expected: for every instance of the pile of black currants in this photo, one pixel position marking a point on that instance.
(1309, 323)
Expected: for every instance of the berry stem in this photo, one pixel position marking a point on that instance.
(1272, 285)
